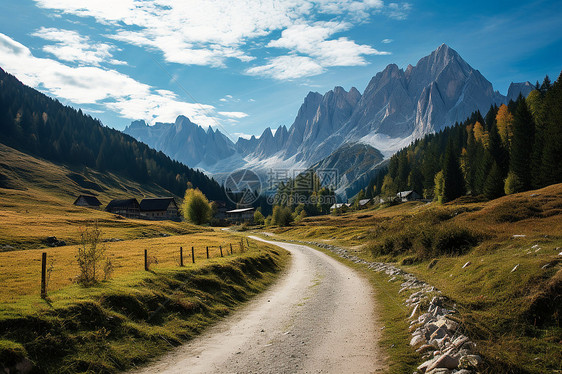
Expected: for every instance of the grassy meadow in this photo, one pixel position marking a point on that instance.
(135, 315)
(508, 295)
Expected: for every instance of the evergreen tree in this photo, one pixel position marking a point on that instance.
(522, 146)
(494, 185)
(453, 181)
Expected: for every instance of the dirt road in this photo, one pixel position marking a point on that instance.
(318, 318)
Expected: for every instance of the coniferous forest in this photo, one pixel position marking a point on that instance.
(514, 148)
(36, 124)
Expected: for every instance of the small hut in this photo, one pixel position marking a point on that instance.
(87, 201)
(240, 215)
(405, 196)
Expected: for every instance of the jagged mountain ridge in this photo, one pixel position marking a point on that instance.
(396, 107)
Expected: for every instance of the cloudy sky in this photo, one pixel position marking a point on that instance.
(243, 65)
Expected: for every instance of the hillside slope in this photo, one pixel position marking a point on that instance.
(36, 201)
(499, 262)
(36, 124)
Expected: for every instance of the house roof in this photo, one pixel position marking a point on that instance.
(339, 205)
(404, 193)
(156, 204)
(240, 210)
(122, 203)
(364, 202)
(91, 200)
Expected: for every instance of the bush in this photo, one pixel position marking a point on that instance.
(259, 219)
(425, 242)
(196, 207)
(282, 216)
(91, 257)
(454, 240)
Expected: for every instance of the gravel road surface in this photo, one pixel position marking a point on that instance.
(319, 317)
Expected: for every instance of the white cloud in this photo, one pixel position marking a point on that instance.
(288, 67)
(93, 85)
(242, 135)
(71, 46)
(203, 32)
(236, 115)
(398, 11)
(320, 52)
(387, 41)
(229, 98)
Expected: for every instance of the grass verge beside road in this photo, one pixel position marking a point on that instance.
(124, 322)
(498, 261)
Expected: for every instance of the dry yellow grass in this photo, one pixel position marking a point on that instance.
(20, 270)
(508, 294)
(39, 203)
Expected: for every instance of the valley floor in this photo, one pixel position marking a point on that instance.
(498, 262)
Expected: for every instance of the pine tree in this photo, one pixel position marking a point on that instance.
(453, 186)
(494, 185)
(522, 146)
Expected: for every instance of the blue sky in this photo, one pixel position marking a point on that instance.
(245, 65)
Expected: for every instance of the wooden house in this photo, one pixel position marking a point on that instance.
(240, 215)
(405, 196)
(87, 201)
(339, 206)
(128, 208)
(363, 203)
(159, 208)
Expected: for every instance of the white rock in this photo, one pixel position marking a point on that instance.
(425, 365)
(444, 361)
(414, 311)
(417, 339)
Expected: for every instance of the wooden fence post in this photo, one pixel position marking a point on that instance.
(181, 256)
(44, 275)
(207, 253)
(230, 248)
(146, 259)
(192, 255)
(220, 246)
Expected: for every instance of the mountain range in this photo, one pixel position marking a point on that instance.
(397, 106)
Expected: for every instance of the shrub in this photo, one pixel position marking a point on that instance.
(259, 219)
(91, 256)
(384, 249)
(453, 240)
(282, 216)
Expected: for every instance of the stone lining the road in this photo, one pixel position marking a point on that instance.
(440, 339)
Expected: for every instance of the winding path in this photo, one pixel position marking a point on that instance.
(318, 318)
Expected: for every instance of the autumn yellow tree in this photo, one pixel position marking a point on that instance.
(196, 207)
(504, 120)
(480, 135)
